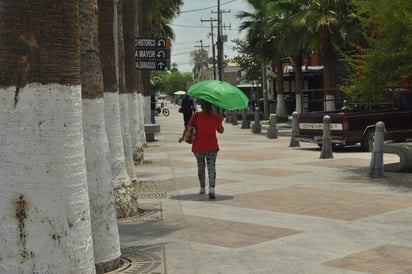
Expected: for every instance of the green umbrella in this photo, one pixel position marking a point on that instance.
(219, 93)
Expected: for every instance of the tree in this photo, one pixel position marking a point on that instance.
(124, 95)
(160, 14)
(200, 60)
(44, 202)
(130, 19)
(247, 60)
(386, 59)
(175, 81)
(126, 203)
(291, 37)
(106, 243)
(333, 22)
(255, 24)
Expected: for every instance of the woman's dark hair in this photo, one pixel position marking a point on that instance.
(206, 106)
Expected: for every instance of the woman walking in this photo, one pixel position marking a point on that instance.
(205, 145)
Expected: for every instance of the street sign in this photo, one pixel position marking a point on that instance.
(152, 53)
(160, 43)
(152, 65)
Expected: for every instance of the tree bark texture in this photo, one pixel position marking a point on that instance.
(44, 203)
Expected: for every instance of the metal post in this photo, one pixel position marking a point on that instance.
(376, 168)
(293, 141)
(245, 121)
(257, 128)
(326, 139)
(228, 116)
(272, 130)
(234, 117)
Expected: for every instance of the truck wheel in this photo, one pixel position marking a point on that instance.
(367, 140)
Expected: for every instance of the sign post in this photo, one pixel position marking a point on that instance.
(152, 53)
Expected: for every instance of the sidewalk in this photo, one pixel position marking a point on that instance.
(277, 210)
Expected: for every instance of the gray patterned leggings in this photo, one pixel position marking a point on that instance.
(209, 159)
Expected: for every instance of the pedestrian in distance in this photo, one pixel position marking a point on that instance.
(187, 109)
(205, 146)
(153, 102)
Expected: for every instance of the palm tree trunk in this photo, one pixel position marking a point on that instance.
(126, 200)
(111, 95)
(280, 100)
(140, 87)
(265, 91)
(130, 32)
(106, 242)
(144, 76)
(44, 203)
(327, 58)
(299, 81)
(124, 99)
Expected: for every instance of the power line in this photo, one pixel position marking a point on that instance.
(214, 6)
(201, 27)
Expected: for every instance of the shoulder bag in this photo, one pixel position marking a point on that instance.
(191, 132)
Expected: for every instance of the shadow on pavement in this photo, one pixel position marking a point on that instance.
(197, 197)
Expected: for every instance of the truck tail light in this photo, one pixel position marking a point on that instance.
(345, 123)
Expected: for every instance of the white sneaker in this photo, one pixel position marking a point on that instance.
(212, 193)
(202, 190)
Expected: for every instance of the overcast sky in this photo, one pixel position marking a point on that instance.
(190, 30)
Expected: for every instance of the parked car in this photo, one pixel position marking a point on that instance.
(353, 125)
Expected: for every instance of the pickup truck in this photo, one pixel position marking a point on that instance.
(351, 126)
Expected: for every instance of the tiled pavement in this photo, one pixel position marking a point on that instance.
(278, 210)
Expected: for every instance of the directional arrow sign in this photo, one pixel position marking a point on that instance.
(152, 65)
(159, 43)
(152, 54)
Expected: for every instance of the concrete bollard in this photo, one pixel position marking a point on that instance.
(293, 141)
(272, 130)
(376, 168)
(257, 128)
(245, 121)
(228, 117)
(234, 117)
(326, 139)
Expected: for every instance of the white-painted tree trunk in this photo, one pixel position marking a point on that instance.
(281, 107)
(299, 103)
(330, 102)
(137, 143)
(140, 99)
(120, 176)
(44, 203)
(106, 243)
(147, 110)
(127, 138)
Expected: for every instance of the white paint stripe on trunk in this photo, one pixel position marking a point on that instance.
(125, 123)
(330, 102)
(114, 135)
(147, 110)
(106, 243)
(44, 203)
(134, 120)
(141, 117)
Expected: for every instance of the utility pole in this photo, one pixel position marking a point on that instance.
(219, 43)
(213, 44)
